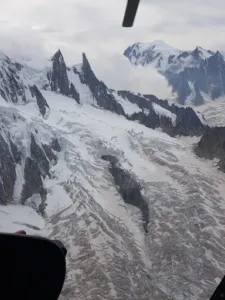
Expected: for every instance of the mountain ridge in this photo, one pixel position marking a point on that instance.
(191, 74)
(136, 208)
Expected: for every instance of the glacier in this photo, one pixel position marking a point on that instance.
(110, 255)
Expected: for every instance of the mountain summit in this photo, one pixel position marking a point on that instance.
(195, 75)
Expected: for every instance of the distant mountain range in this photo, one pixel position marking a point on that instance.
(196, 76)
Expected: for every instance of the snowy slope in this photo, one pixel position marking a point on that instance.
(111, 255)
(164, 112)
(84, 209)
(82, 88)
(128, 107)
(155, 54)
(164, 57)
(16, 217)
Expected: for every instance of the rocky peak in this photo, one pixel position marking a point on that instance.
(89, 75)
(147, 53)
(201, 53)
(85, 61)
(196, 53)
(58, 57)
(99, 90)
(58, 77)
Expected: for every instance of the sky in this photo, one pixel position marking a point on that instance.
(38, 28)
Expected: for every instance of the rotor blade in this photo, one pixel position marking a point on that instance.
(131, 11)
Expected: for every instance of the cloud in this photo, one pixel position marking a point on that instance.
(75, 25)
(38, 28)
(20, 43)
(117, 72)
(78, 25)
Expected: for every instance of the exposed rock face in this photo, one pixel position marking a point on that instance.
(33, 183)
(15, 152)
(129, 189)
(15, 87)
(208, 77)
(141, 101)
(212, 145)
(186, 116)
(58, 78)
(152, 120)
(74, 93)
(7, 169)
(40, 158)
(149, 118)
(41, 102)
(22, 172)
(55, 145)
(187, 121)
(12, 87)
(37, 167)
(192, 74)
(99, 90)
(215, 79)
(50, 154)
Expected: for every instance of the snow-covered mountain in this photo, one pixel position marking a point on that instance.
(195, 76)
(113, 175)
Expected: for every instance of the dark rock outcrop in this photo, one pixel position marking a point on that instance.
(33, 183)
(40, 158)
(187, 121)
(55, 145)
(50, 154)
(12, 87)
(41, 101)
(152, 120)
(212, 145)
(58, 78)
(74, 93)
(137, 99)
(110, 158)
(37, 167)
(149, 118)
(7, 170)
(128, 188)
(15, 152)
(207, 77)
(99, 90)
